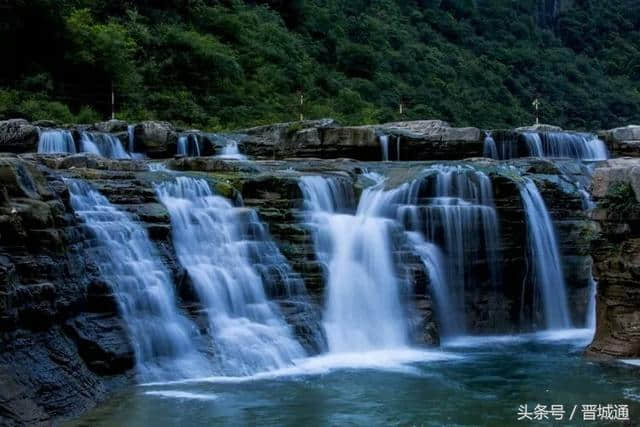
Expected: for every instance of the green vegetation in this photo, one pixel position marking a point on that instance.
(621, 199)
(229, 63)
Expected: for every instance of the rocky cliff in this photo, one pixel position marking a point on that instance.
(616, 254)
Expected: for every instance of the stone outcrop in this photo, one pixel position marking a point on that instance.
(110, 126)
(56, 340)
(18, 136)
(616, 253)
(415, 140)
(623, 141)
(156, 139)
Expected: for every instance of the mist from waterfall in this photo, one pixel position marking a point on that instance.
(162, 338)
(364, 308)
(548, 277)
(227, 255)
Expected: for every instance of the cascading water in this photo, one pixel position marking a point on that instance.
(490, 149)
(581, 146)
(231, 151)
(384, 146)
(364, 309)
(545, 257)
(103, 144)
(452, 206)
(131, 138)
(56, 141)
(161, 337)
(224, 250)
(189, 145)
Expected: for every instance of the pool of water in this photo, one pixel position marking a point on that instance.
(470, 381)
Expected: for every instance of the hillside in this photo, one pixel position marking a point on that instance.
(231, 63)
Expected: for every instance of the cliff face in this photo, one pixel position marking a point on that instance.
(60, 338)
(616, 254)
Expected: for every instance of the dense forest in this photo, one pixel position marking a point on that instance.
(220, 64)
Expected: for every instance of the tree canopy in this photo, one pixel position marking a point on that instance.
(219, 64)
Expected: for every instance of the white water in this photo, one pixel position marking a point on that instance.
(189, 145)
(101, 144)
(224, 250)
(231, 151)
(131, 138)
(545, 256)
(363, 309)
(384, 146)
(162, 338)
(490, 147)
(452, 207)
(56, 141)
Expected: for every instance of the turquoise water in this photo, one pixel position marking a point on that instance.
(479, 381)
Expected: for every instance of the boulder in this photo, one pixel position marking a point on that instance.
(623, 141)
(540, 127)
(18, 136)
(156, 139)
(110, 126)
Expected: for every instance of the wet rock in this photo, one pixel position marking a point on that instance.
(156, 139)
(616, 256)
(623, 141)
(110, 126)
(540, 127)
(18, 136)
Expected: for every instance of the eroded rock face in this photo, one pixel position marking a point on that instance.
(18, 136)
(156, 139)
(53, 351)
(110, 126)
(623, 141)
(616, 253)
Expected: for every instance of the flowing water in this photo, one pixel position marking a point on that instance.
(384, 146)
(227, 255)
(56, 141)
(101, 144)
(231, 151)
(478, 381)
(163, 339)
(451, 208)
(364, 309)
(575, 145)
(545, 256)
(189, 145)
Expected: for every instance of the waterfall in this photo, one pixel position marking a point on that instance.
(56, 141)
(545, 257)
(231, 151)
(581, 146)
(103, 144)
(364, 309)
(452, 207)
(130, 138)
(189, 145)
(398, 139)
(227, 253)
(162, 338)
(490, 148)
(384, 146)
